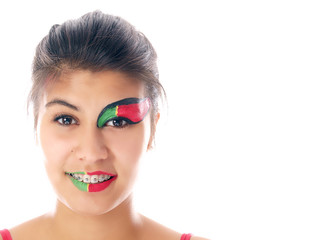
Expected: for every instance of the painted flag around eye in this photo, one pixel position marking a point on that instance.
(132, 110)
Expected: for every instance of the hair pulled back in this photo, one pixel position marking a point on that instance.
(95, 42)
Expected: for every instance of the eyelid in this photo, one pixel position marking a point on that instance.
(135, 108)
(60, 115)
(57, 117)
(128, 121)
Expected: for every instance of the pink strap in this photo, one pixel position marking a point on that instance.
(5, 234)
(186, 236)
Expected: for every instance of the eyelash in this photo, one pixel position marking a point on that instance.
(126, 123)
(57, 119)
(62, 116)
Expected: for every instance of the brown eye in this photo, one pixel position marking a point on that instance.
(118, 123)
(65, 120)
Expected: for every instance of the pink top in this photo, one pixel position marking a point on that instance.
(186, 236)
(7, 236)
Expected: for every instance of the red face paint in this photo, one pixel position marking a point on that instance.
(132, 110)
(83, 180)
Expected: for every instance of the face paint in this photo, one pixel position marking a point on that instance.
(91, 181)
(132, 110)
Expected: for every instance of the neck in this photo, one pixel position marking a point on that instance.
(120, 223)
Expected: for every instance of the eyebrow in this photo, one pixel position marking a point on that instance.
(61, 102)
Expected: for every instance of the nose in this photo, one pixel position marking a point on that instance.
(91, 146)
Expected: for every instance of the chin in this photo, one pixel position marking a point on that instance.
(94, 204)
(90, 211)
(89, 206)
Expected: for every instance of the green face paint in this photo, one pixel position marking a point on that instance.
(80, 185)
(86, 184)
(132, 110)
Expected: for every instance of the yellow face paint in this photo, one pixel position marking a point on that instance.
(82, 180)
(132, 110)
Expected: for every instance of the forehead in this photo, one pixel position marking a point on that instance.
(89, 86)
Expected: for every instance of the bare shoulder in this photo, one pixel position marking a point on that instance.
(156, 231)
(27, 229)
(198, 238)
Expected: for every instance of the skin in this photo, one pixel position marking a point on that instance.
(82, 146)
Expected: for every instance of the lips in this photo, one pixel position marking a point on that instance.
(91, 181)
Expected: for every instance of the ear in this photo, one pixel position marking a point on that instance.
(153, 133)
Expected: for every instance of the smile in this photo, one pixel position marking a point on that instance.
(91, 181)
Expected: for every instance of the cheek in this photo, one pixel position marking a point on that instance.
(55, 149)
(128, 147)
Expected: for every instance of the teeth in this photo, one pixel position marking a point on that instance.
(79, 177)
(94, 178)
(101, 178)
(86, 178)
(90, 179)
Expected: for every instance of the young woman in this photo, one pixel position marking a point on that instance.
(95, 98)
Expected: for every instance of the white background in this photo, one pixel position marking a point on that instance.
(237, 153)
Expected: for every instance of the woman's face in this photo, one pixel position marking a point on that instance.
(76, 150)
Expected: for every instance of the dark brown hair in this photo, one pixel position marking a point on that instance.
(95, 42)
